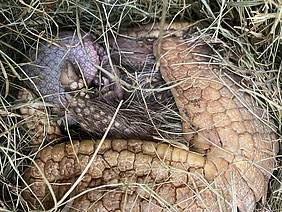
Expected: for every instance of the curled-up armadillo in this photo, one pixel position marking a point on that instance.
(228, 164)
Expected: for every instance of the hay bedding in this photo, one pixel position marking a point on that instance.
(199, 169)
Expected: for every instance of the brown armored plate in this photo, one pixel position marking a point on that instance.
(228, 164)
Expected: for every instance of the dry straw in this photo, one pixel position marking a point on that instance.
(252, 30)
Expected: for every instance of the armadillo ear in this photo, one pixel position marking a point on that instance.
(68, 77)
